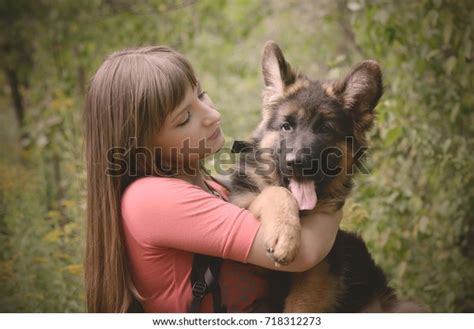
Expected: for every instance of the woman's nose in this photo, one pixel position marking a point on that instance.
(212, 117)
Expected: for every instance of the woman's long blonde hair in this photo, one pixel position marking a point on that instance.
(127, 99)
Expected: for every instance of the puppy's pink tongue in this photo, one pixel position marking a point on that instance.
(304, 192)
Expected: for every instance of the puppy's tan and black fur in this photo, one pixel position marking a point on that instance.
(329, 120)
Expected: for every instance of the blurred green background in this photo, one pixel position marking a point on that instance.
(415, 209)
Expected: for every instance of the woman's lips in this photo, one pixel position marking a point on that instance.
(215, 133)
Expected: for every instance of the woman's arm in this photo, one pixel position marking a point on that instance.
(318, 232)
(171, 213)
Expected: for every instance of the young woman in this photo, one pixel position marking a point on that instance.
(151, 206)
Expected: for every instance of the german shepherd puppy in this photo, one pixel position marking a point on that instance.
(308, 142)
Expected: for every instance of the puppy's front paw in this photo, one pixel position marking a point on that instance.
(282, 240)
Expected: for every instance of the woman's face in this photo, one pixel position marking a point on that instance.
(191, 132)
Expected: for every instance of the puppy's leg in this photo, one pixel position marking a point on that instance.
(279, 213)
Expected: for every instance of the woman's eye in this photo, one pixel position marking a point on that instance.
(186, 121)
(202, 93)
(286, 126)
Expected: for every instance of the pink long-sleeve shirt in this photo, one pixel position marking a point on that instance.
(165, 221)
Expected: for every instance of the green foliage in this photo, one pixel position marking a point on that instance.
(414, 209)
(39, 264)
(420, 193)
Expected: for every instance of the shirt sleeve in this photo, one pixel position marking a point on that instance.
(170, 212)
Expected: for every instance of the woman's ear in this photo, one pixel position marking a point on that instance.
(277, 73)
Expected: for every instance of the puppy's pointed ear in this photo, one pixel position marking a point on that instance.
(277, 73)
(360, 92)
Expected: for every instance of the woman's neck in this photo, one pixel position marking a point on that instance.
(197, 178)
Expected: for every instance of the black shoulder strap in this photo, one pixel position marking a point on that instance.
(135, 307)
(204, 279)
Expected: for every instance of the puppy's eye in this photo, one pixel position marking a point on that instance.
(324, 129)
(286, 126)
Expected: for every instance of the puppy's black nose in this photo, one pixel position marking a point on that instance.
(297, 163)
(290, 160)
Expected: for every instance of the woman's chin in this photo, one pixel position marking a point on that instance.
(220, 141)
(217, 143)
